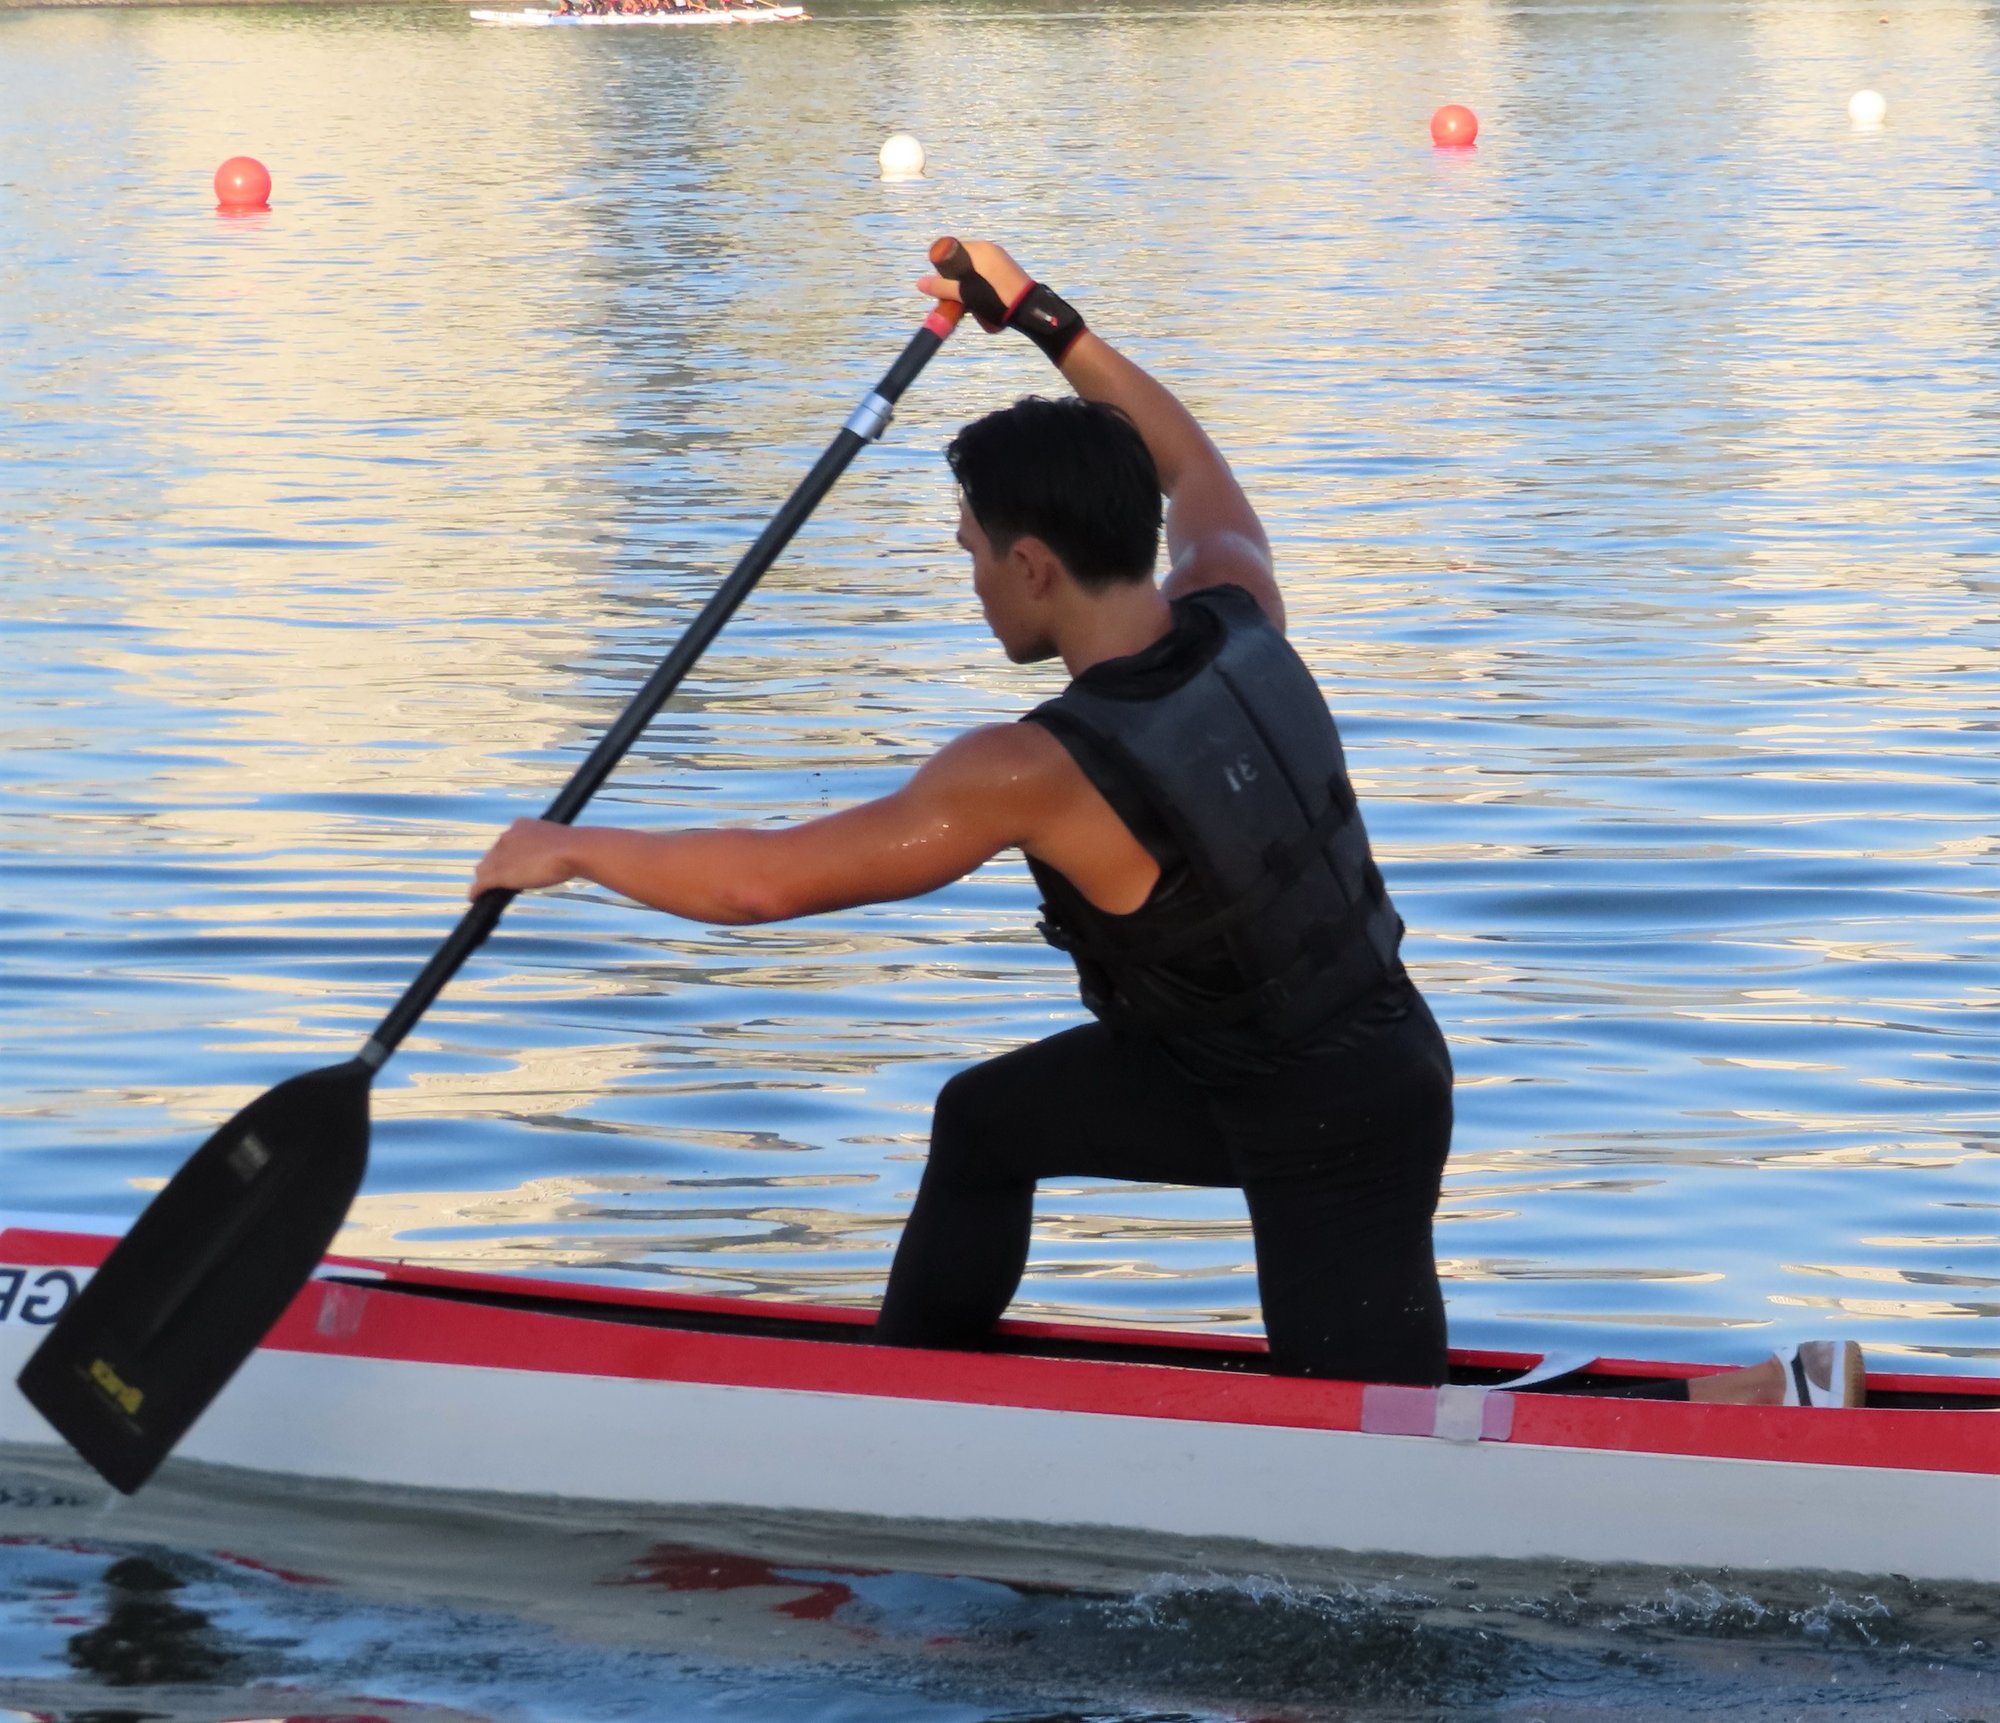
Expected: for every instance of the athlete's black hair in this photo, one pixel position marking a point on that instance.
(1075, 474)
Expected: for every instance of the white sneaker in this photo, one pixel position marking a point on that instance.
(1822, 1373)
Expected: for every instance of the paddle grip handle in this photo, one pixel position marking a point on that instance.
(864, 425)
(951, 260)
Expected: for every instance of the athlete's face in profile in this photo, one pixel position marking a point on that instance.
(1007, 589)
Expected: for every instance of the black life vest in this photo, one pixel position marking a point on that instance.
(1270, 916)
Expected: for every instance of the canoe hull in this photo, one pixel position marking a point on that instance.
(383, 1384)
(700, 1445)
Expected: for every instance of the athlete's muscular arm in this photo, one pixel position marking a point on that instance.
(1214, 537)
(1007, 786)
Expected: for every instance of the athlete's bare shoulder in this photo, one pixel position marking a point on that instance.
(1020, 781)
(1000, 759)
(1228, 559)
(1015, 779)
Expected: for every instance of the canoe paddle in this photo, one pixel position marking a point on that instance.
(208, 1268)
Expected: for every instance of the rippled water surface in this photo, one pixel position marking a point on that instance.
(1633, 479)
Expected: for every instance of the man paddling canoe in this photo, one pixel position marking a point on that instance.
(1185, 808)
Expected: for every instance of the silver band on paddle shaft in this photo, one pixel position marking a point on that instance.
(870, 419)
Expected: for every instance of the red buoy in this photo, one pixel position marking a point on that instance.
(1453, 127)
(243, 182)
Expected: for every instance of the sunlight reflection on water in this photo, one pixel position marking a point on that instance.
(1632, 478)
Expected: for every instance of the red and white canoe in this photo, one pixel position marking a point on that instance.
(386, 1374)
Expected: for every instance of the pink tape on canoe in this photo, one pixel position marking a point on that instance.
(1452, 1413)
(1387, 1411)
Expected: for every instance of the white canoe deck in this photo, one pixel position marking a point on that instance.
(384, 1374)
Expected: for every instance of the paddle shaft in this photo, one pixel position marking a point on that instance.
(864, 425)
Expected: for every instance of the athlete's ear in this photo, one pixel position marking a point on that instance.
(1038, 566)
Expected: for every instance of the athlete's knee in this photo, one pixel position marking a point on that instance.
(959, 1149)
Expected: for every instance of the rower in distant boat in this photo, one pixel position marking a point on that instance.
(1185, 807)
(579, 12)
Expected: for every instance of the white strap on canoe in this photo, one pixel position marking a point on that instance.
(1553, 1365)
(1457, 1412)
(1454, 1413)
(1463, 1416)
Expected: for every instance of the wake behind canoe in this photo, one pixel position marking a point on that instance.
(387, 1374)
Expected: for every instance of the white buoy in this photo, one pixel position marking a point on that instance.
(902, 157)
(1866, 108)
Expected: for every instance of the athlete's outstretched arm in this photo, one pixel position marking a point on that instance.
(1214, 537)
(985, 792)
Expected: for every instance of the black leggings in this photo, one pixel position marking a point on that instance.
(1339, 1161)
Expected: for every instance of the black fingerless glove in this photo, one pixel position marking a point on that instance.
(1048, 320)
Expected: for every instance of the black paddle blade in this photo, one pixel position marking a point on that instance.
(208, 1268)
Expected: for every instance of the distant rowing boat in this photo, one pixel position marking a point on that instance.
(536, 17)
(382, 1373)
